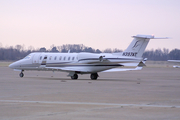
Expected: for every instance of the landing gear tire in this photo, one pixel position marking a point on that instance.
(21, 74)
(94, 76)
(74, 77)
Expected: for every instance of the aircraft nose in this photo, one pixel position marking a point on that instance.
(11, 65)
(14, 65)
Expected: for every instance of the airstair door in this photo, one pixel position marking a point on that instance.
(36, 58)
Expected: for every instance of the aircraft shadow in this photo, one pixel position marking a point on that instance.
(79, 79)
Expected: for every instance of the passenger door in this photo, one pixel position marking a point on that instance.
(36, 58)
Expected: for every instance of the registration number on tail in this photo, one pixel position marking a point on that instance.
(129, 54)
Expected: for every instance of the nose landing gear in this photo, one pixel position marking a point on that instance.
(21, 74)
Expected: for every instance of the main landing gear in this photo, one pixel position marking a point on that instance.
(21, 74)
(74, 77)
(94, 76)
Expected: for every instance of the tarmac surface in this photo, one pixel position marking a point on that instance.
(152, 93)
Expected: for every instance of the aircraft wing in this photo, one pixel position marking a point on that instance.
(71, 69)
(121, 69)
(176, 66)
(139, 67)
(177, 61)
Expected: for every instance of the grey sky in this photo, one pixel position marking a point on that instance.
(94, 23)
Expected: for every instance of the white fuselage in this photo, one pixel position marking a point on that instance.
(79, 62)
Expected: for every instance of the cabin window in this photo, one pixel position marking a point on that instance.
(60, 58)
(72, 58)
(64, 58)
(55, 58)
(50, 57)
(69, 58)
(40, 58)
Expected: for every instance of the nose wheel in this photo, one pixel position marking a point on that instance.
(21, 74)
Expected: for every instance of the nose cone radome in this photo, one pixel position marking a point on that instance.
(15, 65)
(12, 66)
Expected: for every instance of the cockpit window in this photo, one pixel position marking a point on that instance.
(28, 57)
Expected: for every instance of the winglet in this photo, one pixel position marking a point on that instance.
(142, 63)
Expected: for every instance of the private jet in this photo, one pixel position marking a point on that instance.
(175, 61)
(87, 63)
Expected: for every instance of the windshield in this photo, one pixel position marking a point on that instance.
(28, 57)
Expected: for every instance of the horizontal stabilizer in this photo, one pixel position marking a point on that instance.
(149, 37)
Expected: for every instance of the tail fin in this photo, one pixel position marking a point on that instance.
(138, 45)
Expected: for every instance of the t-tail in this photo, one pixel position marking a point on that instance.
(138, 45)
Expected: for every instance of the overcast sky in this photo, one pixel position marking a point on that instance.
(95, 23)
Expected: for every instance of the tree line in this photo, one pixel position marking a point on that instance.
(18, 52)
